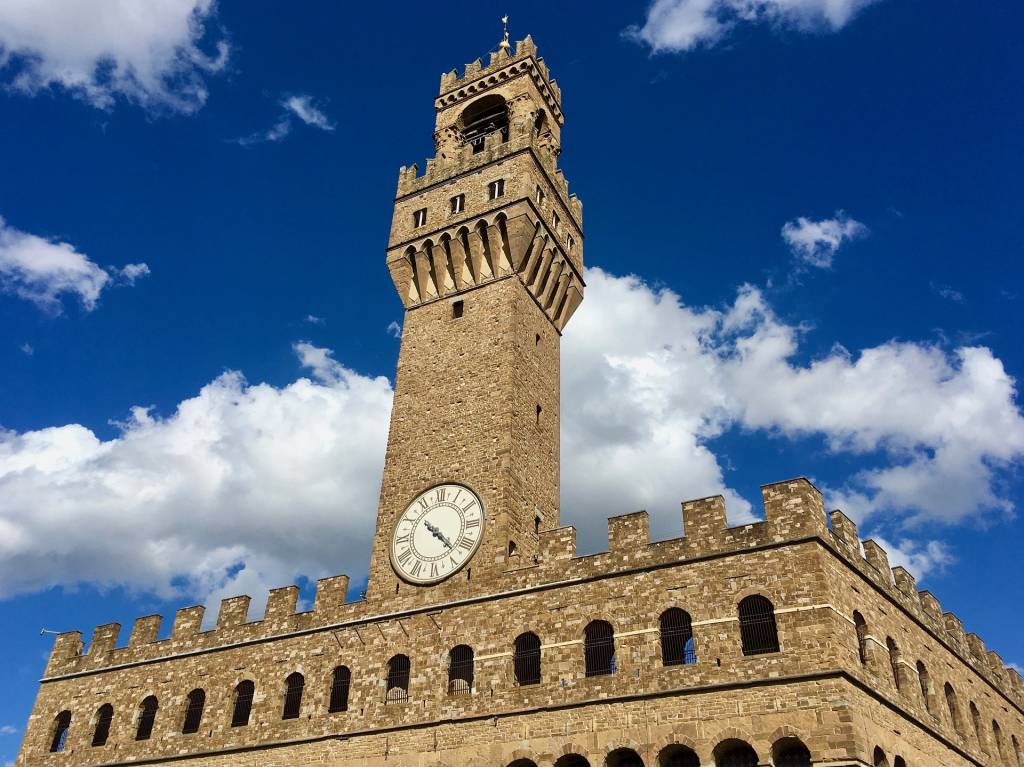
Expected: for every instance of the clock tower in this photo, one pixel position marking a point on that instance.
(486, 253)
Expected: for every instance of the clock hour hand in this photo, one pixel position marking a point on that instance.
(438, 534)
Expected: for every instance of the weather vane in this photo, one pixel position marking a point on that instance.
(505, 46)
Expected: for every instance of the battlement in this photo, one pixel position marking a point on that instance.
(793, 513)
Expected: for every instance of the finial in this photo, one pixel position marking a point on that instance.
(505, 45)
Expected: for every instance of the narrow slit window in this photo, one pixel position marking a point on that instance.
(570, 243)
(458, 203)
(556, 222)
(539, 411)
(539, 196)
(496, 189)
(458, 307)
(419, 218)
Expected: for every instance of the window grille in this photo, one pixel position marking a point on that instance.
(244, 693)
(294, 684)
(894, 660)
(398, 680)
(460, 670)
(758, 631)
(526, 659)
(61, 725)
(861, 626)
(194, 711)
(677, 647)
(104, 717)
(147, 718)
(342, 680)
(599, 648)
(740, 755)
(795, 755)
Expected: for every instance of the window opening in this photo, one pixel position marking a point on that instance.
(104, 717)
(496, 189)
(460, 670)
(294, 684)
(526, 659)
(147, 718)
(340, 684)
(758, 631)
(677, 647)
(419, 218)
(194, 711)
(397, 690)
(599, 648)
(244, 693)
(458, 203)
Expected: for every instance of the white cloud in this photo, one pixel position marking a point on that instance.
(153, 52)
(816, 243)
(312, 319)
(8, 730)
(947, 292)
(302, 107)
(27, 349)
(394, 329)
(43, 270)
(919, 559)
(682, 25)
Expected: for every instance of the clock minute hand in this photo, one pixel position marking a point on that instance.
(438, 534)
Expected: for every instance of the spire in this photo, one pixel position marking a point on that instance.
(505, 45)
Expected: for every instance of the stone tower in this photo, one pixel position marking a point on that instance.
(486, 252)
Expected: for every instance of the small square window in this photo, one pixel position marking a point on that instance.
(419, 218)
(496, 189)
(457, 308)
(458, 203)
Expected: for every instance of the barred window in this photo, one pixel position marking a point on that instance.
(793, 755)
(397, 690)
(294, 684)
(61, 725)
(244, 693)
(340, 683)
(194, 711)
(676, 638)
(861, 627)
(526, 659)
(738, 754)
(104, 716)
(460, 670)
(758, 632)
(676, 755)
(147, 718)
(599, 648)
(894, 660)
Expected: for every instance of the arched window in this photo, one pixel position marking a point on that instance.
(59, 738)
(792, 753)
(482, 117)
(894, 660)
(194, 711)
(104, 716)
(397, 690)
(879, 758)
(922, 679)
(952, 707)
(899, 762)
(599, 648)
(340, 682)
(147, 718)
(676, 638)
(1015, 744)
(623, 757)
(758, 631)
(676, 755)
(997, 738)
(572, 760)
(735, 753)
(976, 721)
(460, 670)
(523, 763)
(244, 693)
(294, 684)
(861, 626)
(526, 659)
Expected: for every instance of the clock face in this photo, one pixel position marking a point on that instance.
(437, 533)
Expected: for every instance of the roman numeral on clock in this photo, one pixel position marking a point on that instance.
(470, 523)
(404, 556)
(415, 571)
(440, 494)
(465, 543)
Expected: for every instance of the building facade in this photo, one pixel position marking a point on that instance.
(483, 639)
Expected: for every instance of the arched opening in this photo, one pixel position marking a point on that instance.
(460, 670)
(341, 680)
(861, 627)
(244, 693)
(482, 117)
(194, 711)
(59, 735)
(952, 707)
(1017, 755)
(791, 752)
(997, 738)
(294, 684)
(976, 722)
(899, 762)
(894, 660)
(523, 763)
(540, 122)
(735, 753)
(758, 632)
(623, 757)
(676, 755)
(925, 683)
(104, 716)
(599, 648)
(879, 759)
(526, 659)
(572, 760)
(676, 631)
(147, 718)
(397, 690)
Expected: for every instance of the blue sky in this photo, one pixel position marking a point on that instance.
(803, 229)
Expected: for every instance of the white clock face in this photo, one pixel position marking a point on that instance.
(437, 533)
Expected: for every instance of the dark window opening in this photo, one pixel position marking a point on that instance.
(340, 684)
(539, 196)
(677, 648)
(194, 711)
(539, 409)
(737, 755)
(536, 525)
(496, 189)
(526, 659)
(861, 627)
(795, 755)
(599, 648)
(419, 218)
(536, 340)
(147, 718)
(758, 632)
(481, 118)
(397, 690)
(104, 717)
(879, 758)
(623, 757)
(244, 693)
(458, 307)
(894, 660)
(922, 679)
(458, 203)
(511, 548)
(293, 687)
(953, 708)
(460, 670)
(61, 725)
(678, 756)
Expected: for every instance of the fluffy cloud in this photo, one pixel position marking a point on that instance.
(42, 271)
(682, 25)
(153, 52)
(303, 107)
(815, 243)
(649, 384)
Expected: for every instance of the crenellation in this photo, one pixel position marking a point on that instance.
(67, 646)
(794, 509)
(330, 598)
(844, 532)
(977, 648)
(905, 583)
(704, 519)
(104, 639)
(557, 545)
(187, 623)
(876, 556)
(234, 611)
(955, 633)
(281, 604)
(145, 630)
(629, 534)
(931, 606)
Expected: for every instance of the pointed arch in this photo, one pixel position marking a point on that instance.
(59, 732)
(953, 707)
(196, 702)
(147, 717)
(861, 628)
(245, 691)
(104, 717)
(894, 660)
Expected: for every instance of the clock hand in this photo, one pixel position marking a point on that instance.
(438, 534)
